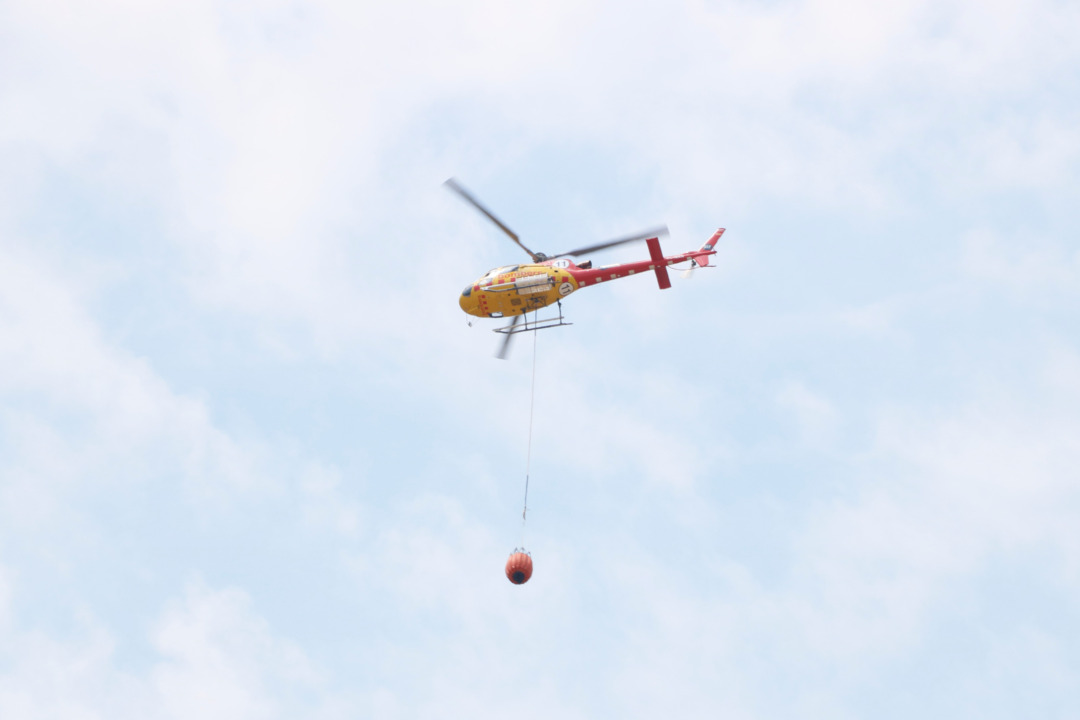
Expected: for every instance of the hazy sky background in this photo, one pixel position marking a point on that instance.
(255, 464)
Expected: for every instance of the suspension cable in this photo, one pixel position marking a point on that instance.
(528, 454)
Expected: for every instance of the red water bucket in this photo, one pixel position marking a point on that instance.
(519, 567)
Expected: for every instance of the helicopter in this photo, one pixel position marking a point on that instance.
(515, 290)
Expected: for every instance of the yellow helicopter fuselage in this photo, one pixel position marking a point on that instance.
(518, 289)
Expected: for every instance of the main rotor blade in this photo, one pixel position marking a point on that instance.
(504, 346)
(654, 232)
(453, 185)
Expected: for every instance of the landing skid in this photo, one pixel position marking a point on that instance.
(542, 324)
(534, 325)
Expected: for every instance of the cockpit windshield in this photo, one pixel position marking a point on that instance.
(501, 271)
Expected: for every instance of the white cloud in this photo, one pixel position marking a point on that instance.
(46, 678)
(291, 154)
(1031, 268)
(323, 503)
(942, 499)
(815, 415)
(60, 373)
(213, 657)
(867, 578)
(5, 600)
(274, 134)
(220, 660)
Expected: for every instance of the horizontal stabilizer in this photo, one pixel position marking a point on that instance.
(659, 264)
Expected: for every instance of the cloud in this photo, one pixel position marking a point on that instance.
(943, 499)
(1033, 268)
(219, 659)
(815, 415)
(47, 678)
(940, 509)
(77, 407)
(213, 656)
(5, 600)
(262, 184)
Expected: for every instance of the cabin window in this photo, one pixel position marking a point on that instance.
(502, 271)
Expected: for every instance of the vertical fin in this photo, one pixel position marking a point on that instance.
(708, 248)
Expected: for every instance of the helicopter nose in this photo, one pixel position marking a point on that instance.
(467, 301)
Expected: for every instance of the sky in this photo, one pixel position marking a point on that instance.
(255, 462)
